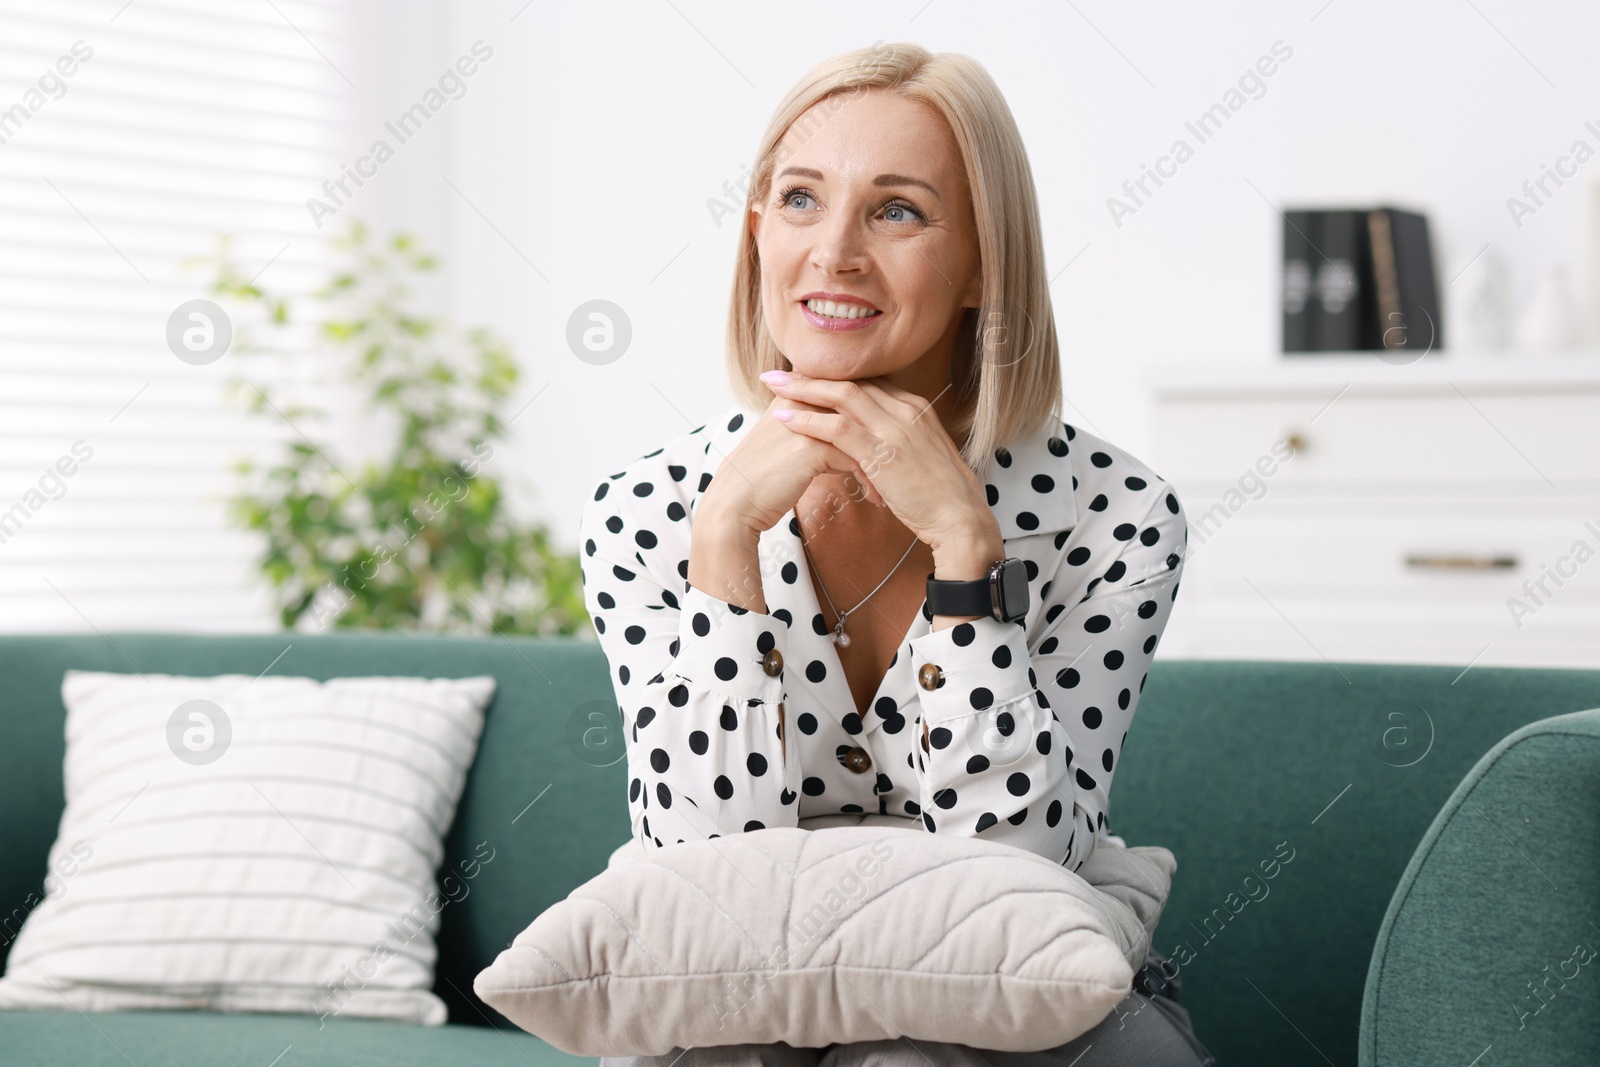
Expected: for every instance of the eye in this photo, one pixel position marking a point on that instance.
(902, 205)
(783, 197)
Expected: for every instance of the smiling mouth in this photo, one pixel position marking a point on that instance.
(830, 309)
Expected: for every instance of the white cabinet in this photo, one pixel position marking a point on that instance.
(1344, 508)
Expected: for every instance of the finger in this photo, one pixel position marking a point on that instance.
(847, 397)
(832, 427)
(845, 464)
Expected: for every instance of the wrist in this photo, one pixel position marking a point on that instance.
(968, 555)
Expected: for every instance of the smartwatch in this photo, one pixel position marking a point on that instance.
(1002, 595)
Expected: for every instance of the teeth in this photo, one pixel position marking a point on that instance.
(840, 311)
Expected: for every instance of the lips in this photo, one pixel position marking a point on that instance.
(830, 319)
(841, 298)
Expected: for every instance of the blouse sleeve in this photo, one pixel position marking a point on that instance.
(1021, 745)
(699, 682)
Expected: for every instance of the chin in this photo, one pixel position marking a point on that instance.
(833, 366)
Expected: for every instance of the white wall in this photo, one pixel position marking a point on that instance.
(593, 139)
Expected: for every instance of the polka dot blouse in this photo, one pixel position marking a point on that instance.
(1025, 719)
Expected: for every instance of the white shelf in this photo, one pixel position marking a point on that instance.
(1325, 373)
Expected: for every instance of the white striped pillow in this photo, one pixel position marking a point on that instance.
(278, 855)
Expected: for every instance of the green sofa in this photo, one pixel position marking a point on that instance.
(1431, 840)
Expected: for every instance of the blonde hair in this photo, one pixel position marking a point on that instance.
(1007, 375)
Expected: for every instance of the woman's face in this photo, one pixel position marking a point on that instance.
(869, 202)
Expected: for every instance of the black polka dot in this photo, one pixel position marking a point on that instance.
(723, 786)
(1018, 784)
(980, 698)
(977, 764)
(813, 787)
(1091, 718)
(756, 763)
(985, 821)
(963, 634)
(699, 742)
(939, 737)
(726, 669)
(659, 760)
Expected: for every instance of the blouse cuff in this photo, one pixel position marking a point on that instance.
(729, 649)
(971, 666)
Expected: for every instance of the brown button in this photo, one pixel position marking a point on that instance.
(930, 677)
(857, 760)
(772, 662)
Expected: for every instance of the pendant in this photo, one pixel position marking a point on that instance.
(840, 638)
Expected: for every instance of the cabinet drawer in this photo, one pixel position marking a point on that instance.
(1433, 438)
(1424, 551)
(1424, 580)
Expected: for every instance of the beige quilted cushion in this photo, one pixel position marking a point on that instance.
(832, 935)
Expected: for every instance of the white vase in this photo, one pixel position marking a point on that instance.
(1550, 322)
(1483, 318)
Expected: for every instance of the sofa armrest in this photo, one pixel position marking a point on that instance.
(1490, 939)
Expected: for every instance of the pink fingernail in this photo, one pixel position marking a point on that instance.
(774, 377)
(783, 414)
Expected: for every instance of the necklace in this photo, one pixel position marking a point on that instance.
(841, 638)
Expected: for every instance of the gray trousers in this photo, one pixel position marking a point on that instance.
(1148, 1028)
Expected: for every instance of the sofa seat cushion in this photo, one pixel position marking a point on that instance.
(181, 1038)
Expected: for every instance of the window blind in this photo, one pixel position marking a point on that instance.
(131, 134)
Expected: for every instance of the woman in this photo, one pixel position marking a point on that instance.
(891, 583)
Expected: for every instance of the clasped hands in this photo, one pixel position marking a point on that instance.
(924, 481)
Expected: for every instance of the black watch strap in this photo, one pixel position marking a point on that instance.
(967, 597)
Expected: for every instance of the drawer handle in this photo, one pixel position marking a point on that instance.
(1461, 563)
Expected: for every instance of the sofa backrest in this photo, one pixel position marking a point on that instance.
(1292, 794)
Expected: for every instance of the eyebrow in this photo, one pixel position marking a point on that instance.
(881, 180)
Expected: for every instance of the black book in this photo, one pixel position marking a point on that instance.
(1405, 294)
(1300, 235)
(1345, 315)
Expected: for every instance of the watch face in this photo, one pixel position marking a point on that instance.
(1014, 589)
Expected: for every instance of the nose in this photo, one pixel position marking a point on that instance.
(840, 244)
